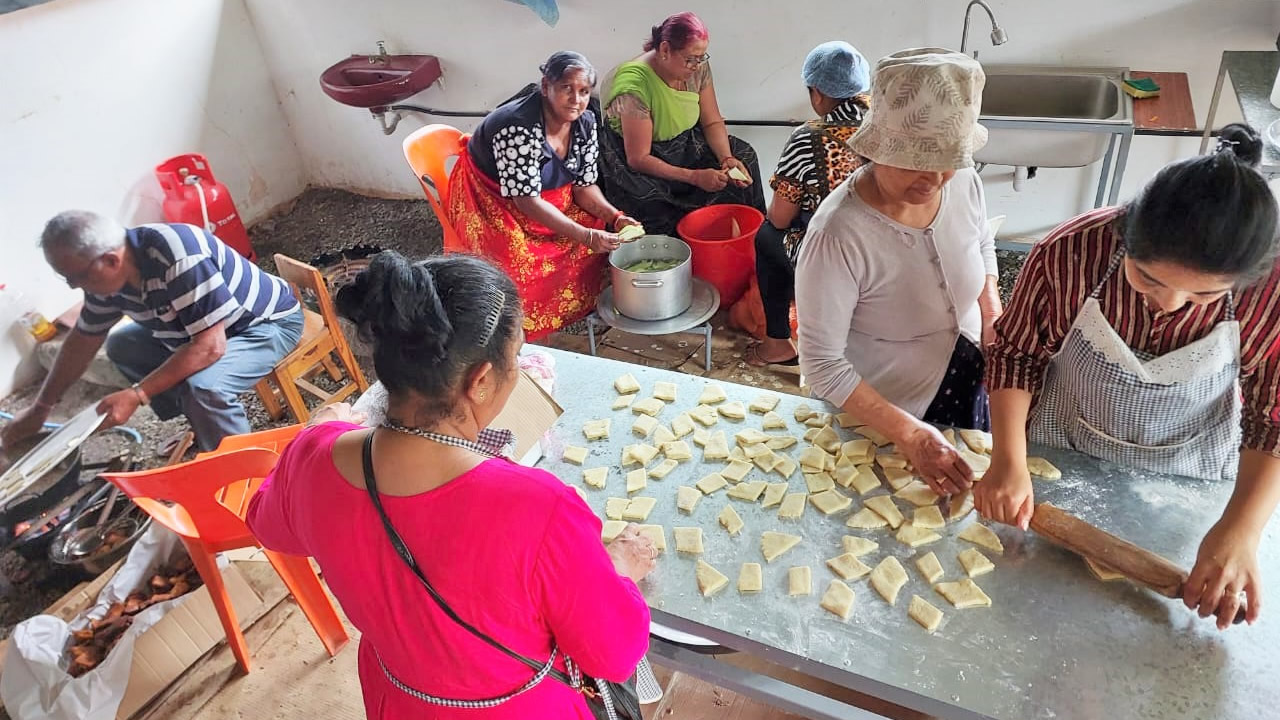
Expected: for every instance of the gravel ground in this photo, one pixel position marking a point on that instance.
(1010, 263)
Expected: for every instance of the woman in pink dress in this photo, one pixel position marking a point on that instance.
(512, 551)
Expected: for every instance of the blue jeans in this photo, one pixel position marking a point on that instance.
(211, 397)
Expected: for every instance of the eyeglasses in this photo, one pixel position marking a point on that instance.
(693, 62)
(76, 279)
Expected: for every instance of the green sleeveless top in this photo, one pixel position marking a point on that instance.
(672, 111)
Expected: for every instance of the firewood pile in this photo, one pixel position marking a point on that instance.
(90, 645)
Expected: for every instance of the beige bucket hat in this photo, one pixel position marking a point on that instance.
(924, 111)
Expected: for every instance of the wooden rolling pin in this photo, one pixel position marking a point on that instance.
(1137, 564)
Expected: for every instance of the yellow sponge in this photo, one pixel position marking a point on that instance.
(1141, 87)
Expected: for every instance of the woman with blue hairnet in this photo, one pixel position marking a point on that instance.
(815, 159)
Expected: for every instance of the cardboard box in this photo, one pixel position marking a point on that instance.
(530, 413)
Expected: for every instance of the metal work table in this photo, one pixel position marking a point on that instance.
(1056, 644)
(1252, 75)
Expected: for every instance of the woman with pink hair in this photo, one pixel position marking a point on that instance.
(665, 150)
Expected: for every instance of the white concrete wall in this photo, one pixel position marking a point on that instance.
(95, 93)
(490, 48)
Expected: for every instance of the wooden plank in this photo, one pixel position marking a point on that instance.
(1171, 109)
(689, 698)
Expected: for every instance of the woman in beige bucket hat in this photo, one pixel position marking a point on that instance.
(896, 280)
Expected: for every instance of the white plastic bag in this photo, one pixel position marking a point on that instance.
(34, 685)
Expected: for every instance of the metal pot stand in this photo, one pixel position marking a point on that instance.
(706, 301)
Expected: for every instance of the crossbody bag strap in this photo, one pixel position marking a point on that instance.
(371, 484)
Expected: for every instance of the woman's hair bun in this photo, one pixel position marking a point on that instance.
(395, 302)
(1243, 142)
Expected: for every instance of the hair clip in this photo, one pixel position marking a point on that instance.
(1224, 144)
(498, 304)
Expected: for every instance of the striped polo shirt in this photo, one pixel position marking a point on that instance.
(191, 281)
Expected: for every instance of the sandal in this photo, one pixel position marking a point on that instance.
(753, 359)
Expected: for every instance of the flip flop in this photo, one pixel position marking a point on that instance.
(753, 359)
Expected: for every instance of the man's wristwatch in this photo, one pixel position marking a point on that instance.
(142, 395)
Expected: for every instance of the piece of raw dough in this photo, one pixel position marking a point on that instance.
(639, 454)
(828, 440)
(866, 519)
(637, 480)
(701, 437)
(845, 420)
(717, 447)
(576, 455)
(764, 404)
(819, 421)
(705, 415)
(638, 509)
(838, 600)
(781, 442)
(710, 580)
(888, 578)
(848, 566)
(819, 482)
(974, 562)
(792, 506)
(754, 451)
(829, 464)
(913, 536)
(622, 402)
(799, 581)
(711, 483)
(963, 593)
(644, 426)
(892, 460)
(736, 470)
(773, 421)
(858, 452)
(688, 539)
(813, 459)
(858, 546)
(1102, 572)
(774, 544)
(983, 536)
(626, 385)
(749, 491)
(750, 436)
(663, 469)
(864, 480)
(929, 518)
(785, 466)
(979, 464)
(830, 502)
(884, 507)
(811, 433)
(768, 461)
(648, 406)
(918, 494)
(733, 410)
(678, 450)
(665, 391)
(898, 478)
(922, 612)
(615, 507)
(950, 436)
(750, 578)
(712, 395)
(611, 529)
(961, 505)
(978, 441)
(662, 436)
(687, 498)
(595, 477)
(803, 412)
(656, 533)
(875, 436)
(737, 454)
(730, 520)
(682, 425)
(596, 429)
(930, 568)
(1040, 467)
(773, 494)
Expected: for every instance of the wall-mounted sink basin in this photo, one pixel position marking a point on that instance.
(374, 81)
(1049, 116)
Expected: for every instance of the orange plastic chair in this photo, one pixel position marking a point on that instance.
(427, 150)
(209, 496)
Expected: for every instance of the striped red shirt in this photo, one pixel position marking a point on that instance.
(1063, 270)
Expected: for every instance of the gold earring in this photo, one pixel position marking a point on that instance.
(483, 395)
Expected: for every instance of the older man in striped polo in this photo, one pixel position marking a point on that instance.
(207, 323)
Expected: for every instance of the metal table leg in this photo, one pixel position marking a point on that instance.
(1213, 104)
(1125, 140)
(706, 328)
(1106, 170)
(591, 331)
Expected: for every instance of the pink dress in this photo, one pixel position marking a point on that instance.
(513, 550)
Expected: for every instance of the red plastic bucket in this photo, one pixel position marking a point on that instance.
(723, 240)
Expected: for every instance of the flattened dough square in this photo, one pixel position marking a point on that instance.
(687, 498)
(830, 502)
(764, 404)
(858, 546)
(977, 440)
(864, 480)
(888, 578)
(874, 435)
(813, 459)
(819, 482)
(662, 436)
(866, 519)
(898, 478)
(710, 580)
(595, 477)
(750, 436)
(733, 410)
(644, 426)
(781, 442)
(705, 415)
(637, 480)
(929, 518)
(982, 536)
(912, 536)
(1102, 572)
(848, 566)
(663, 469)
(682, 425)
(892, 460)
(884, 507)
(730, 520)
(773, 494)
(596, 429)
(858, 452)
(918, 494)
(977, 463)
(576, 455)
(712, 395)
(711, 483)
(656, 533)
(827, 439)
(717, 447)
(736, 470)
(773, 421)
(626, 384)
(922, 612)
(750, 578)
(665, 391)
(678, 450)
(615, 507)
(749, 491)
(845, 420)
(930, 568)
(803, 412)
(963, 593)
(688, 539)
(961, 505)
(611, 529)
(818, 421)
(799, 581)
(792, 506)
(838, 600)
(974, 562)
(1040, 467)
(638, 509)
(648, 406)
(784, 466)
(774, 544)
(622, 402)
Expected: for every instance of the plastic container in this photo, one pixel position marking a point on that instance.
(13, 305)
(722, 238)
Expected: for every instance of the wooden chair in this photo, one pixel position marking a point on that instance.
(322, 339)
(427, 150)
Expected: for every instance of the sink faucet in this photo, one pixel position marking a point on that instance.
(998, 35)
(381, 57)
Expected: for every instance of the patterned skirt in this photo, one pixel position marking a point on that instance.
(558, 279)
(659, 204)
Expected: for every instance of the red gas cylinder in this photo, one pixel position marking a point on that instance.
(193, 195)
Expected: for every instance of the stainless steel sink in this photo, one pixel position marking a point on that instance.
(1049, 116)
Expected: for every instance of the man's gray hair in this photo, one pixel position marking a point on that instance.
(82, 233)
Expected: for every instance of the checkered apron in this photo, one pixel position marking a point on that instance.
(1174, 413)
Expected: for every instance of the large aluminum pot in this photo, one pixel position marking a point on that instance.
(650, 296)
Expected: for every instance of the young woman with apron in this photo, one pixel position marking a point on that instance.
(1149, 335)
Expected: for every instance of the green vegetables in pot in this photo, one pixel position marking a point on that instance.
(653, 265)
